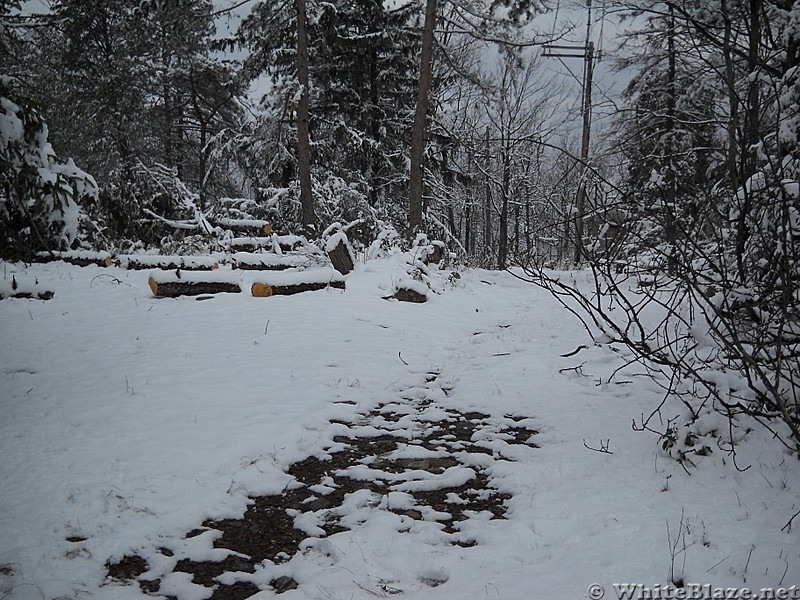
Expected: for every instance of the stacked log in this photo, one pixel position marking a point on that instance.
(251, 244)
(82, 258)
(167, 262)
(253, 227)
(253, 261)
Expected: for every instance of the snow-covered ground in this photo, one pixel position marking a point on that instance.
(127, 420)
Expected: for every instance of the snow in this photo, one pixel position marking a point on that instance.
(128, 420)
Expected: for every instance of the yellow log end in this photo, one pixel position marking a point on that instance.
(108, 262)
(261, 290)
(153, 286)
(215, 266)
(268, 229)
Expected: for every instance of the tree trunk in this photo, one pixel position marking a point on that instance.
(303, 138)
(487, 208)
(502, 240)
(420, 119)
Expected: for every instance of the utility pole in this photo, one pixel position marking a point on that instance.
(586, 52)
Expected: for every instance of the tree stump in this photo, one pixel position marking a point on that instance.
(436, 254)
(338, 249)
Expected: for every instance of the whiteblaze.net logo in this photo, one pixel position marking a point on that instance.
(696, 591)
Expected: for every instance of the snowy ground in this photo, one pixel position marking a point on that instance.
(127, 421)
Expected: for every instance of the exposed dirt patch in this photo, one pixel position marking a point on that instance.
(129, 567)
(397, 448)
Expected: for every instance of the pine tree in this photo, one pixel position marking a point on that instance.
(360, 70)
(39, 193)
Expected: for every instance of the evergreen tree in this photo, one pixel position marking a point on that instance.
(360, 72)
(39, 193)
(668, 137)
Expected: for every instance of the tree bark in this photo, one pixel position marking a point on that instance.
(303, 137)
(420, 119)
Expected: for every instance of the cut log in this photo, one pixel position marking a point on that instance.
(165, 262)
(282, 243)
(23, 288)
(82, 258)
(288, 243)
(266, 262)
(288, 283)
(338, 249)
(251, 244)
(42, 295)
(170, 284)
(247, 226)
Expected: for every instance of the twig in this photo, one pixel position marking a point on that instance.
(603, 447)
(718, 564)
(788, 525)
(786, 570)
(578, 369)
(574, 352)
(400, 356)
